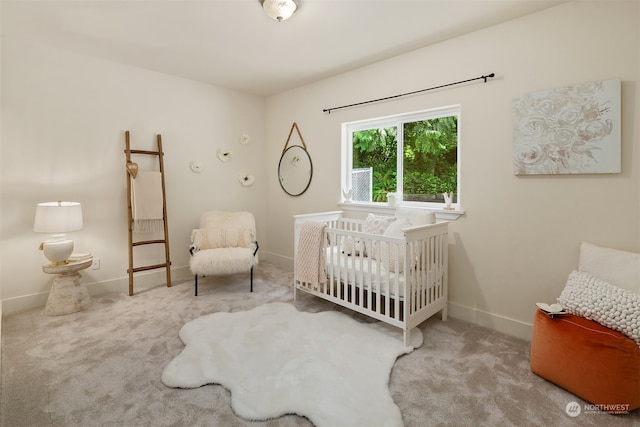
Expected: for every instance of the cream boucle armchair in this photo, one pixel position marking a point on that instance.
(224, 244)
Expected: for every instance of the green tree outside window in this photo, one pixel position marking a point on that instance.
(429, 162)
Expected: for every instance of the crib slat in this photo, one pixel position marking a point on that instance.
(389, 283)
(419, 279)
(426, 271)
(437, 283)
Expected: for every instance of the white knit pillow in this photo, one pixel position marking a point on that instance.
(375, 224)
(594, 299)
(405, 218)
(390, 252)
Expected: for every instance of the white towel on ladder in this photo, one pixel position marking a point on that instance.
(147, 202)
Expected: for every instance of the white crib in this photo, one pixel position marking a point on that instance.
(400, 281)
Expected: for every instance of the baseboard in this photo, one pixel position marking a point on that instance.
(493, 321)
(0, 337)
(279, 260)
(142, 281)
(153, 279)
(25, 302)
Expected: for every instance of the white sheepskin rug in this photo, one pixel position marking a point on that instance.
(276, 360)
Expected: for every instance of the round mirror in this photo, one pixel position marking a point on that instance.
(295, 170)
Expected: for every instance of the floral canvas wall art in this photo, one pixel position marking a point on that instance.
(570, 130)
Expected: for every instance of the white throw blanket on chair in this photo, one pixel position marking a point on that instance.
(310, 257)
(146, 202)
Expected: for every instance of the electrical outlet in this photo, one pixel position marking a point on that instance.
(95, 265)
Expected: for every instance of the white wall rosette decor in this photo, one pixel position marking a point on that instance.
(223, 155)
(246, 180)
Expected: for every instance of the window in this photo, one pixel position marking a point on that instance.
(414, 155)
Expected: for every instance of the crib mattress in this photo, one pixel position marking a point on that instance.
(363, 271)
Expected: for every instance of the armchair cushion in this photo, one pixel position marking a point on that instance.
(216, 237)
(220, 229)
(222, 261)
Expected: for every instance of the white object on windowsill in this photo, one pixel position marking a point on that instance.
(448, 198)
(393, 199)
(347, 195)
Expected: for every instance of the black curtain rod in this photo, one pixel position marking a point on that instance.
(329, 110)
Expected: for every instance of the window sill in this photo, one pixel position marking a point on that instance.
(385, 209)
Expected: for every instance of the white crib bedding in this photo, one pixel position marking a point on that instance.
(363, 271)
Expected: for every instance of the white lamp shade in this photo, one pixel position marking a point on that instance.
(58, 217)
(279, 9)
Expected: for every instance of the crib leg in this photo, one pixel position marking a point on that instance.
(406, 335)
(444, 313)
(295, 293)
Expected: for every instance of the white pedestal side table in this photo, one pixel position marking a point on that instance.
(68, 292)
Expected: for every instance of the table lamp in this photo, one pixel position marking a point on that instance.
(57, 218)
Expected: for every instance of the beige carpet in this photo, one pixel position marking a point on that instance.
(102, 367)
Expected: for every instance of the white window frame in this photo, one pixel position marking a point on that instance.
(397, 120)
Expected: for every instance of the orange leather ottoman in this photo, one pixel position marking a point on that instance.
(597, 364)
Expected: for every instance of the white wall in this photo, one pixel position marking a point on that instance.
(519, 238)
(63, 122)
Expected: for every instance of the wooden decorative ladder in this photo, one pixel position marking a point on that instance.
(131, 172)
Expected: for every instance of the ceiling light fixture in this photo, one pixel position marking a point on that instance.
(279, 10)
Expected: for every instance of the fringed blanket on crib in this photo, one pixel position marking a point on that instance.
(146, 202)
(310, 268)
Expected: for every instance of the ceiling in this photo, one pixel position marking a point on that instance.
(233, 44)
